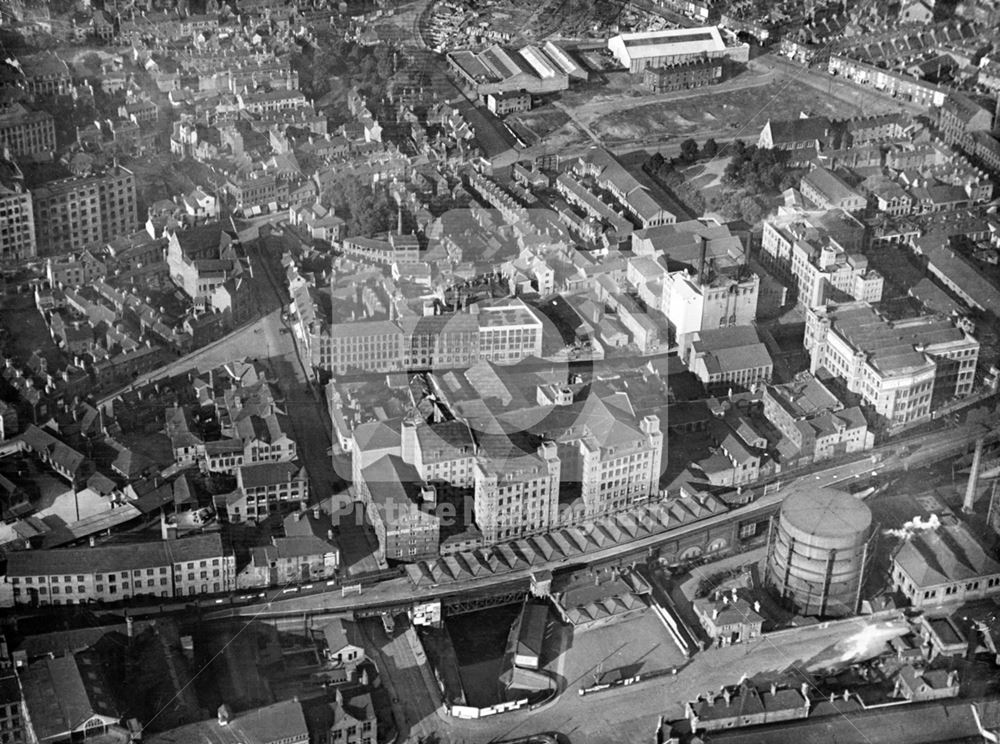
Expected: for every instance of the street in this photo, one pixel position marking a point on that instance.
(310, 424)
(416, 700)
(403, 591)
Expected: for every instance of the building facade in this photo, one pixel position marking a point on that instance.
(169, 568)
(289, 560)
(17, 234)
(27, 134)
(814, 423)
(265, 488)
(944, 566)
(503, 103)
(516, 493)
(76, 213)
(898, 367)
(692, 74)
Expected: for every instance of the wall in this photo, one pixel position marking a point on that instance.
(468, 712)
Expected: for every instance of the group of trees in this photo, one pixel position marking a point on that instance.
(331, 57)
(752, 176)
(365, 209)
(70, 114)
(738, 205)
(659, 166)
(759, 170)
(691, 153)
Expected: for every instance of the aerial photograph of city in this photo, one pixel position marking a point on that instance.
(499, 371)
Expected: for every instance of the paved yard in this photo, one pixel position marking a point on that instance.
(630, 713)
(622, 649)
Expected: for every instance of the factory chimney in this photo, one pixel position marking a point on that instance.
(970, 491)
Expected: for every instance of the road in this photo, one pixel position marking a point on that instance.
(416, 699)
(761, 71)
(398, 592)
(241, 343)
(936, 722)
(866, 99)
(593, 107)
(625, 714)
(311, 427)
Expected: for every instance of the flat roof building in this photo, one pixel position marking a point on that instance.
(896, 366)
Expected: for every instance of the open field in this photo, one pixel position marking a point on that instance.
(739, 113)
(619, 113)
(552, 128)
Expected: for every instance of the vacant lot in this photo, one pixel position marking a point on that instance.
(621, 112)
(737, 113)
(550, 127)
(639, 644)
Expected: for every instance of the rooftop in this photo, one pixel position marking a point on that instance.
(111, 558)
(949, 553)
(279, 722)
(827, 512)
(830, 185)
(892, 347)
(669, 42)
(269, 473)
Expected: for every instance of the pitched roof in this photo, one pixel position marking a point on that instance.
(949, 553)
(446, 440)
(261, 474)
(110, 558)
(830, 185)
(799, 130)
(374, 435)
(44, 444)
(271, 724)
(529, 633)
(340, 632)
(393, 484)
(64, 692)
(298, 546)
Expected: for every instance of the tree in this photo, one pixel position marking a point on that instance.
(366, 210)
(710, 149)
(751, 210)
(689, 150)
(654, 163)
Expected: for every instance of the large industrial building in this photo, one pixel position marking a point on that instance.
(639, 51)
(947, 565)
(17, 238)
(818, 551)
(79, 212)
(531, 69)
(899, 367)
(25, 133)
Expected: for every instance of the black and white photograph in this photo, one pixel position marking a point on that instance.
(499, 372)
